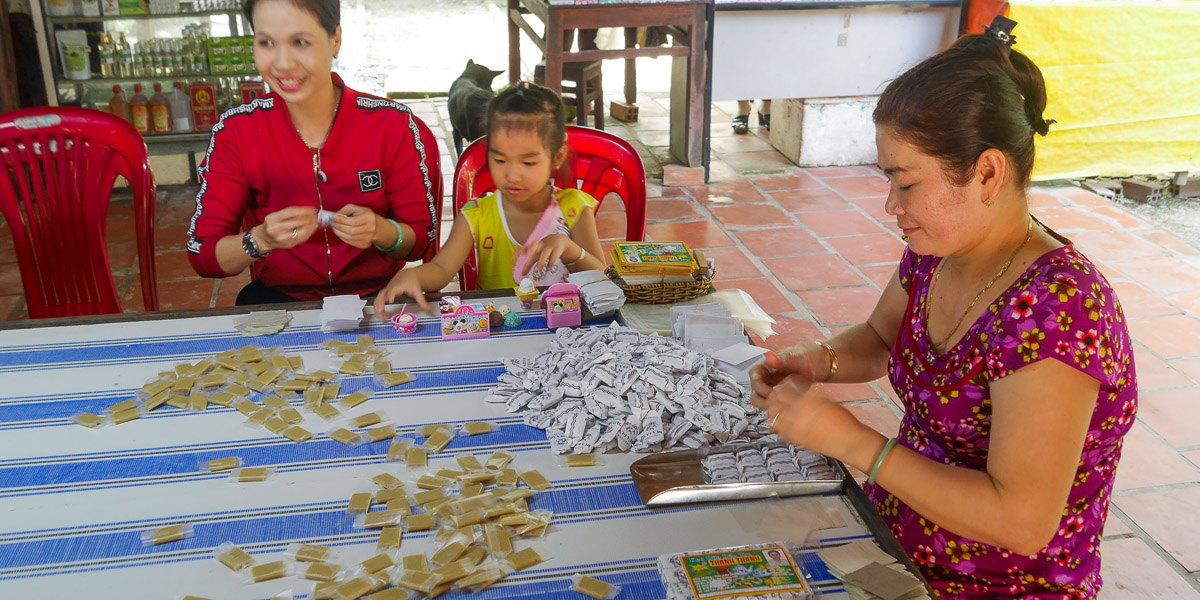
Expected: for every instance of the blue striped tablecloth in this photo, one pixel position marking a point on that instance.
(74, 501)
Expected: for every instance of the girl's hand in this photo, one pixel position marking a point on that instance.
(807, 418)
(548, 251)
(286, 228)
(791, 362)
(357, 226)
(404, 282)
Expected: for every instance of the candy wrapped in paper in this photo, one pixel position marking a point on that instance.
(612, 388)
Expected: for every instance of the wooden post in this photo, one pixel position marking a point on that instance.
(514, 41)
(8, 67)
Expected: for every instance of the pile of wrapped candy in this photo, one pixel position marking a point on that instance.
(612, 388)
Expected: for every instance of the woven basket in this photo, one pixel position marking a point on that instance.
(662, 293)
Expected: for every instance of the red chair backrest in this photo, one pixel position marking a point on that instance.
(58, 170)
(599, 164)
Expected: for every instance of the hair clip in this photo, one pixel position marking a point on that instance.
(1001, 31)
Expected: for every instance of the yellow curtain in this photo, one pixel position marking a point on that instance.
(1124, 85)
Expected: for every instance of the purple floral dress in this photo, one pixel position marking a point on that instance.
(1061, 308)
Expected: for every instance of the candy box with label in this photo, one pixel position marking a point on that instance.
(465, 321)
(561, 305)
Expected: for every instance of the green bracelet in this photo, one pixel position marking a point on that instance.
(399, 239)
(879, 461)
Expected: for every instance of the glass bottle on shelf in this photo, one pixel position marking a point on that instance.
(107, 56)
(201, 49)
(139, 60)
(125, 57)
(163, 59)
(177, 57)
(149, 54)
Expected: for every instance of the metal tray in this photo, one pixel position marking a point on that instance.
(677, 478)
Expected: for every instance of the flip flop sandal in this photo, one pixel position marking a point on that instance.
(741, 124)
(764, 121)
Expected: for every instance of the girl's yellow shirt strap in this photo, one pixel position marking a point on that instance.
(572, 203)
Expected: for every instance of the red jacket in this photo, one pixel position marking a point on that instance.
(378, 155)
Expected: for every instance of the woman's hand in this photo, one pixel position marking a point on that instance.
(807, 418)
(404, 282)
(286, 228)
(791, 362)
(358, 226)
(548, 251)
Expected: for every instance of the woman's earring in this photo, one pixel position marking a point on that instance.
(988, 203)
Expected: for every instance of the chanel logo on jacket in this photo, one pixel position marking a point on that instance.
(370, 181)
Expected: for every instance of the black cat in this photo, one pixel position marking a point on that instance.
(469, 97)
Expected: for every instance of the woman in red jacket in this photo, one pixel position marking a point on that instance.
(312, 145)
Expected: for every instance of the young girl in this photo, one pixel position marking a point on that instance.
(527, 227)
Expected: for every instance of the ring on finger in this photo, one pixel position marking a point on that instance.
(775, 419)
(294, 233)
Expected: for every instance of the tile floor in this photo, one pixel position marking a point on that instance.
(814, 247)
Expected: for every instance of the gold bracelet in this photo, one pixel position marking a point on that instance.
(833, 361)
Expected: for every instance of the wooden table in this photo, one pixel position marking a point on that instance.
(74, 501)
(688, 22)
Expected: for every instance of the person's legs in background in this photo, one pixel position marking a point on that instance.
(741, 122)
(257, 293)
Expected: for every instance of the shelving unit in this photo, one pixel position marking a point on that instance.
(103, 18)
(61, 89)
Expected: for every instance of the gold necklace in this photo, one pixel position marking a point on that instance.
(938, 274)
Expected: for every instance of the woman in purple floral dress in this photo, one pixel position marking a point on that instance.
(1005, 344)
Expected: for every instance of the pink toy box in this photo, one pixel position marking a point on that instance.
(465, 321)
(561, 306)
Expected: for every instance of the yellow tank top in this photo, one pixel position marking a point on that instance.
(495, 247)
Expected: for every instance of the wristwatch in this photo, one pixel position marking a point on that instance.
(250, 247)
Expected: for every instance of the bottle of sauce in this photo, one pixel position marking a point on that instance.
(119, 106)
(140, 107)
(160, 111)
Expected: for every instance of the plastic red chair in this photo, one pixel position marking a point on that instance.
(59, 166)
(599, 164)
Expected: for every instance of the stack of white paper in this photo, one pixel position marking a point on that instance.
(342, 313)
(712, 328)
(738, 359)
(600, 294)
